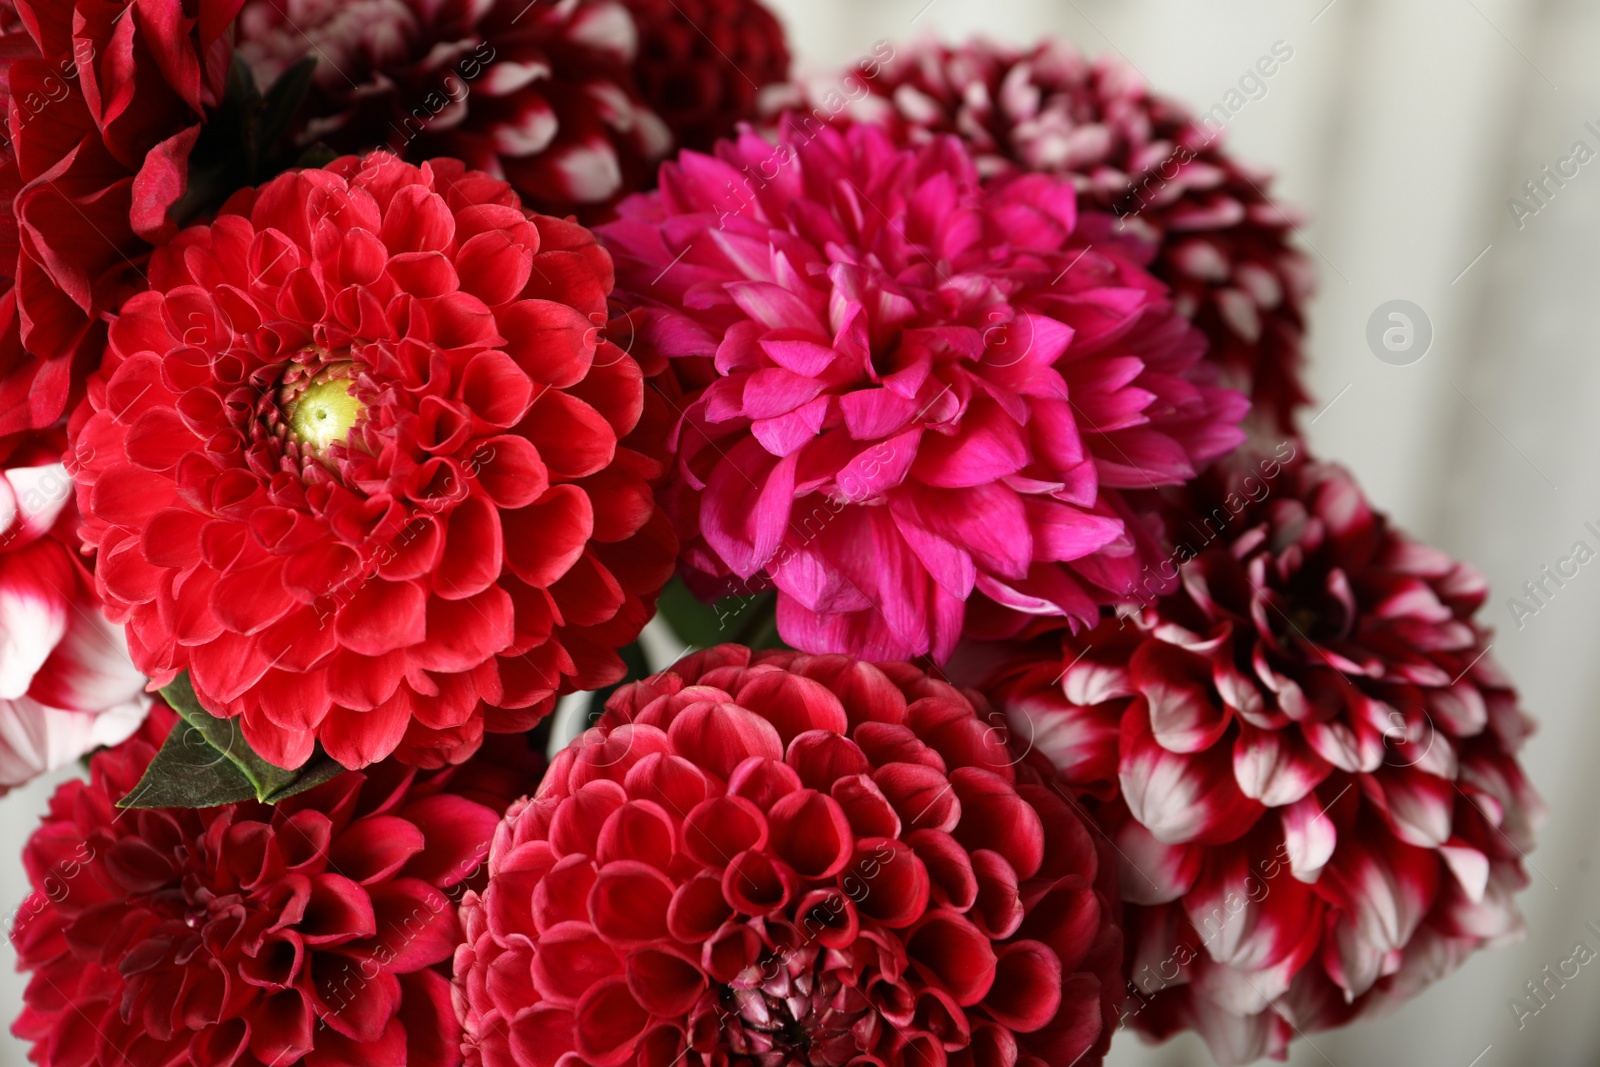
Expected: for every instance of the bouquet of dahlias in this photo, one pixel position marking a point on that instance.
(372, 373)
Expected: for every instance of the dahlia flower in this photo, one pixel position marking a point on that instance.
(778, 858)
(1313, 756)
(104, 100)
(354, 462)
(703, 64)
(318, 931)
(903, 388)
(1216, 236)
(539, 94)
(66, 683)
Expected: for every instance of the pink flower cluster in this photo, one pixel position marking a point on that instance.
(904, 389)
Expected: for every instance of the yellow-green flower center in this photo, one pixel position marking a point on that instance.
(325, 412)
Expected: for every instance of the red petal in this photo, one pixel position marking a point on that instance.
(664, 983)
(717, 737)
(541, 1035)
(994, 816)
(544, 540)
(792, 704)
(571, 958)
(628, 904)
(639, 830)
(609, 1020)
(698, 909)
(887, 881)
(383, 617)
(811, 833)
(374, 848)
(954, 953)
(338, 911)
(456, 834)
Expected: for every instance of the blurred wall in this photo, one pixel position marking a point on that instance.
(1403, 127)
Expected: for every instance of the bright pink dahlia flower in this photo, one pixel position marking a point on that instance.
(316, 932)
(1217, 238)
(538, 93)
(66, 683)
(1320, 806)
(904, 388)
(703, 64)
(104, 101)
(354, 462)
(785, 859)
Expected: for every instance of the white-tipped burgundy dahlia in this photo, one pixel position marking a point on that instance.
(67, 685)
(1216, 236)
(539, 94)
(1311, 760)
(703, 64)
(902, 389)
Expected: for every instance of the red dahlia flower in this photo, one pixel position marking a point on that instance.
(354, 463)
(66, 683)
(1217, 238)
(904, 388)
(538, 93)
(104, 100)
(1320, 804)
(703, 63)
(786, 859)
(318, 931)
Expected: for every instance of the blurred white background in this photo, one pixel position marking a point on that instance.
(1403, 127)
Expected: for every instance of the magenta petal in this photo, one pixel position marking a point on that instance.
(987, 446)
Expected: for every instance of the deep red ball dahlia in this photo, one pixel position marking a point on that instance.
(538, 93)
(319, 931)
(104, 100)
(1318, 799)
(1217, 238)
(785, 859)
(702, 64)
(903, 388)
(354, 463)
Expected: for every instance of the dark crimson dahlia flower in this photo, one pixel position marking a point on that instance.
(902, 389)
(703, 64)
(104, 100)
(538, 93)
(355, 462)
(319, 931)
(1216, 236)
(785, 859)
(1313, 759)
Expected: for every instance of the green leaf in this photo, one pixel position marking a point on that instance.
(316, 157)
(206, 761)
(748, 620)
(243, 140)
(318, 769)
(694, 622)
(281, 102)
(241, 83)
(225, 736)
(189, 773)
(224, 156)
(762, 631)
